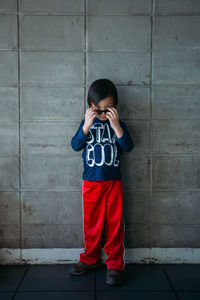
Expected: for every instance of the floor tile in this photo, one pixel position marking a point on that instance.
(189, 295)
(6, 295)
(54, 296)
(10, 276)
(141, 282)
(184, 277)
(137, 277)
(135, 296)
(56, 277)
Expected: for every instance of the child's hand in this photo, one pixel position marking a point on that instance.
(90, 114)
(113, 117)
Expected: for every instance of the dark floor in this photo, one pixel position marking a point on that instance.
(141, 281)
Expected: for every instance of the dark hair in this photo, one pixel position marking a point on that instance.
(100, 89)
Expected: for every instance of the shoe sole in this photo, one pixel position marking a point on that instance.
(90, 267)
(114, 282)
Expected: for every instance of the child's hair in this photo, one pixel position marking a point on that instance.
(100, 89)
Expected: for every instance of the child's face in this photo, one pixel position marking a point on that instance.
(103, 105)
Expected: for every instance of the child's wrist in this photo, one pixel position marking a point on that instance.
(119, 131)
(85, 129)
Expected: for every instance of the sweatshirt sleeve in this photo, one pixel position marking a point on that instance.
(79, 139)
(125, 141)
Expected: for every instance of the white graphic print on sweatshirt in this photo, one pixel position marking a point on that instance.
(101, 148)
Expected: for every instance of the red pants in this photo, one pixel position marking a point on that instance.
(103, 201)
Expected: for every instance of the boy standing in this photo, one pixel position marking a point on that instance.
(103, 138)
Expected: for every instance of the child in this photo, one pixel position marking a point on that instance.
(103, 138)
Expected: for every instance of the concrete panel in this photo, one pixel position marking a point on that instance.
(175, 208)
(64, 207)
(137, 236)
(9, 207)
(8, 6)
(54, 6)
(54, 72)
(9, 104)
(9, 175)
(176, 32)
(135, 171)
(180, 67)
(56, 68)
(52, 171)
(135, 31)
(136, 207)
(8, 32)
(176, 173)
(9, 138)
(10, 236)
(127, 68)
(8, 67)
(171, 136)
(118, 6)
(176, 236)
(52, 236)
(140, 133)
(47, 137)
(52, 32)
(177, 6)
(176, 102)
(133, 102)
(51, 103)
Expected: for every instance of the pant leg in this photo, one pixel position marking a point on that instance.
(114, 226)
(94, 205)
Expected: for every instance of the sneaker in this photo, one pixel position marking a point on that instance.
(114, 277)
(81, 267)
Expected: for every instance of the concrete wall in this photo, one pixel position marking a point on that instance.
(50, 52)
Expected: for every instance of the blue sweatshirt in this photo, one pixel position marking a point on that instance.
(101, 149)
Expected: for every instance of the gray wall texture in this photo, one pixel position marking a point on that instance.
(50, 52)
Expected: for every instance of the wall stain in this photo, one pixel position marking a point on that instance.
(27, 209)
